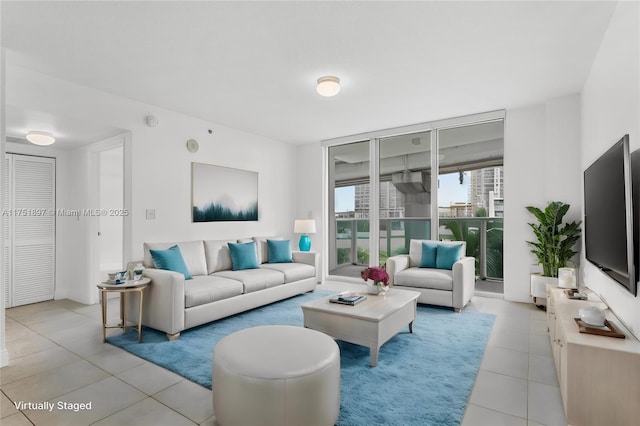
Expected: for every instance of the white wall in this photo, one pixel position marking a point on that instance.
(610, 109)
(111, 197)
(309, 196)
(161, 171)
(541, 164)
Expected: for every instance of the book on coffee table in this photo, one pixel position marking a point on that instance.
(348, 299)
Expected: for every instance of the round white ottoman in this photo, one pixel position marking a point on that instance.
(276, 375)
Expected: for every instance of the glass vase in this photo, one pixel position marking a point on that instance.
(373, 287)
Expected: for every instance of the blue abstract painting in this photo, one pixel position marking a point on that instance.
(222, 194)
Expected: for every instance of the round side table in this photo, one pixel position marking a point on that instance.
(128, 286)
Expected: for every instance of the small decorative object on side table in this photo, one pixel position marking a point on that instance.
(124, 288)
(380, 279)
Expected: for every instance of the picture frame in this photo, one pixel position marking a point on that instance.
(223, 194)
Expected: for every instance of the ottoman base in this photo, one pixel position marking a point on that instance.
(276, 375)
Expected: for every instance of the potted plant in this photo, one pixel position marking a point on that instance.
(554, 240)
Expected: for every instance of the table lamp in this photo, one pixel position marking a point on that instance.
(304, 227)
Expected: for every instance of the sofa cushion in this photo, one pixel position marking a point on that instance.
(243, 256)
(192, 253)
(206, 289)
(279, 251)
(415, 249)
(217, 255)
(428, 257)
(447, 255)
(439, 279)
(292, 271)
(170, 260)
(254, 279)
(263, 248)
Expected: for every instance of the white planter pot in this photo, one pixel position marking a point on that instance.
(539, 285)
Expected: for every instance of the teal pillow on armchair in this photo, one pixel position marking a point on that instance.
(429, 250)
(447, 255)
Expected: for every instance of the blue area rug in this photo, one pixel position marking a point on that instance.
(423, 378)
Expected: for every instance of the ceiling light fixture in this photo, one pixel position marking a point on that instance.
(328, 86)
(40, 138)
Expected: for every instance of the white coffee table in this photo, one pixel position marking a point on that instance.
(370, 323)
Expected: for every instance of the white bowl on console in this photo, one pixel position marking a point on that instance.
(592, 315)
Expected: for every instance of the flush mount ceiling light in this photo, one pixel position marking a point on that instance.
(328, 86)
(40, 138)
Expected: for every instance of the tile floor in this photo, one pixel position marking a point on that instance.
(57, 354)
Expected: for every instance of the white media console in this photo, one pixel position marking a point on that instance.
(599, 376)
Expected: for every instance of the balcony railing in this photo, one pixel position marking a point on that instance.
(483, 236)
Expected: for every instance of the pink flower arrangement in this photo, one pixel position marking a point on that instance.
(377, 274)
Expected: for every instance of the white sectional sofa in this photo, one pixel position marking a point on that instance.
(172, 304)
(443, 287)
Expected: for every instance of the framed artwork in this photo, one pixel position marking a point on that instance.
(223, 194)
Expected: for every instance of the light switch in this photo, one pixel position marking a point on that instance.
(151, 214)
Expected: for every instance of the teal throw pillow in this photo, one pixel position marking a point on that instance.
(279, 251)
(171, 260)
(447, 255)
(429, 250)
(243, 256)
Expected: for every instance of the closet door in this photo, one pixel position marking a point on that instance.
(32, 229)
(6, 235)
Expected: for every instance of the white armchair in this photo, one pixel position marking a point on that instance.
(444, 287)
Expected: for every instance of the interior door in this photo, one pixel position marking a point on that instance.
(31, 229)
(109, 253)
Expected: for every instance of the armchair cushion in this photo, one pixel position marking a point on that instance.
(447, 255)
(439, 279)
(429, 251)
(415, 249)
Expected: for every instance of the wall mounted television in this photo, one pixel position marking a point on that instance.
(609, 216)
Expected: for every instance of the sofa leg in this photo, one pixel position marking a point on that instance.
(457, 310)
(173, 336)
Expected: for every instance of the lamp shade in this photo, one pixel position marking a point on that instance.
(304, 226)
(40, 138)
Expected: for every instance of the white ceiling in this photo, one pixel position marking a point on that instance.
(253, 65)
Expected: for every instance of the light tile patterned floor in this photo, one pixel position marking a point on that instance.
(57, 354)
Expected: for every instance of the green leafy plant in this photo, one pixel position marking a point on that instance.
(555, 240)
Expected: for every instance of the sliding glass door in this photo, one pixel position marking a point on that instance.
(470, 192)
(382, 192)
(404, 168)
(349, 200)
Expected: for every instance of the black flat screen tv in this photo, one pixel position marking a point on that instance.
(609, 215)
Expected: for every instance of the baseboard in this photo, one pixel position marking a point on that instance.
(489, 294)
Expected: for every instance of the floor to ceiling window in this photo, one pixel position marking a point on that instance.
(470, 193)
(405, 192)
(349, 199)
(382, 192)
